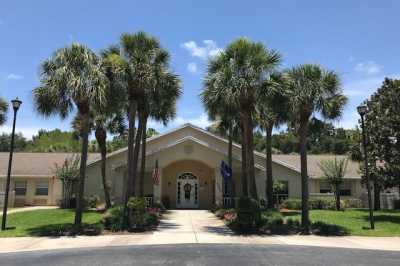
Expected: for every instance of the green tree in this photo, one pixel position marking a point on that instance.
(53, 141)
(72, 78)
(334, 171)
(238, 75)
(68, 173)
(3, 111)
(311, 89)
(160, 105)
(20, 142)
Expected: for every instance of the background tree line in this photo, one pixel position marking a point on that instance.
(323, 138)
(62, 141)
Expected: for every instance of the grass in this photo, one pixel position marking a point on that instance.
(41, 222)
(356, 222)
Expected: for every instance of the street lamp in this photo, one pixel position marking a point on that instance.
(362, 111)
(16, 103)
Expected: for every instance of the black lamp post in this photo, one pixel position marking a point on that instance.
(362, 110)
(16, 103)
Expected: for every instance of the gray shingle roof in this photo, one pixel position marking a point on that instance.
(35, 164)
(312, 163)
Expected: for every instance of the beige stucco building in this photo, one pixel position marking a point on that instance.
(188, 160)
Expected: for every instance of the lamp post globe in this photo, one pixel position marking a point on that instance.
(16, 103)
(362, 109)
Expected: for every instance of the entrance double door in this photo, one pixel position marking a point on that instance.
(187, 189)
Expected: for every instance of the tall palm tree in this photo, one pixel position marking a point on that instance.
(3, 111)
(72, 78)
(272, 111)
(160, 105)
(238, 75)
(311, 89)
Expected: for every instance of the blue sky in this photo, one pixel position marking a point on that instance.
(358, 39)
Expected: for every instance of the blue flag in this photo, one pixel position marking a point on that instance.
(226, 171)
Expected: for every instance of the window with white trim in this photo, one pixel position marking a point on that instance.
(325, 187)
(42, 188)
(20, 188)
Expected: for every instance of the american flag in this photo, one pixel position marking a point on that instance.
(156, 174)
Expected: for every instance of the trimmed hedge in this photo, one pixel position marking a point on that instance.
(321, 204)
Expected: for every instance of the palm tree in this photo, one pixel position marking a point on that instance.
(3, 111)
(222, 111)
(271, 112)
(238, 75)
(140, 52)
(311, 89)
(334, 171)
(72, 78)
(161, 106)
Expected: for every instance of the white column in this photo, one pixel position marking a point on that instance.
(157, 188)
(218, 187)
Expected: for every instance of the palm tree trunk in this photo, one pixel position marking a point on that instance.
(245, 191)
(138, 140)
(143, 160)
(82, 169)
(248, 129)
(377, 197)
(304, 176)
(131, 140)
(101, 137)
(268, 164)
(337, 194)
(230, 147)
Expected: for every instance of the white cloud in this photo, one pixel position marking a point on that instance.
(192, 67)
(369, 67)
(13, 76)
(200, 121)
(209, 49)
(365, 87)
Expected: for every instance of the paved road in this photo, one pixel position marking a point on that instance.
(203, 254)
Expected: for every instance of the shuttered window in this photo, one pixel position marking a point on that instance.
(42, 188)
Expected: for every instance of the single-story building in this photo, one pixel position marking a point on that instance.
(189, 175)
(32, 178)
(189, 160)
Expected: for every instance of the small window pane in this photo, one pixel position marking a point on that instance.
(20, 188)
(42, 188)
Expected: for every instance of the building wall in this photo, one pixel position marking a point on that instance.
(205, 176)
(30, 198)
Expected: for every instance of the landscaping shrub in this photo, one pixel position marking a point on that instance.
(322, 204)
(321, 228)
(313, 204)
(67, 229)
(248, 215)
(352, 203)
(92, 201)
(150, 219)
(291, 204)
(159, 205)
(113, 218)
(137, 209)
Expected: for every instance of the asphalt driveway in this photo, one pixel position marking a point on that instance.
(203, 254)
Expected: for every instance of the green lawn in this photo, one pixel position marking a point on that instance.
(387, 222)
(33, 223)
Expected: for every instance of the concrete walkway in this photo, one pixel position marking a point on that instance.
(30, 208)
(193, 227)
